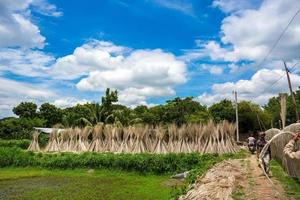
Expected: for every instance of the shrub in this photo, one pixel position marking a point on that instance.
(18, 128)
(23, 144)
(11, 155)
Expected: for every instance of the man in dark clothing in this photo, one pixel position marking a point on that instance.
(267, 156)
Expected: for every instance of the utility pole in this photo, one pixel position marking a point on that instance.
(236, 116)
(291, 90)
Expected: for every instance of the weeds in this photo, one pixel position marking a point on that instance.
(143, 163)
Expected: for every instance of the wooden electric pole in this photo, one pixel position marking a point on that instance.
(291, 90)
(236, 117)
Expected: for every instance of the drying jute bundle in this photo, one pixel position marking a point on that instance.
(34, 145)
(276, 141)
(188, 138)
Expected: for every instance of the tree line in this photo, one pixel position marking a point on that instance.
(252, 117)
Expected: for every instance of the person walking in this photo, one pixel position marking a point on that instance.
(251, 142)
(267, 155)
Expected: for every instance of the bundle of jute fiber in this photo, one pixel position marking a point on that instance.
(172, 133)
(230, 146)
(107, 142)
(116, 138)
(72, 140)
(124, 146)
(271, 132)
(185, 142)
(178, 142)
(217, 183)
(160, 146)
(97, 141)
(34, 145)
(187, 138)
(151, 138)
(295, 128)
(208, 136)
(277, 143)
(80, 146)
(64, 140)
(265, 149)
(53, 144)
(139, 145)
(85, 133)
(195, 130)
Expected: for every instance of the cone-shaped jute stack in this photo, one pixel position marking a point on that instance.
(188, 138)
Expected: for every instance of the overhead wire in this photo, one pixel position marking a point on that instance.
(278, 39)
(290, 70)
(269, 53)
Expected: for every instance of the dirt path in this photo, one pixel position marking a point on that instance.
(256, 185)
(243, 177)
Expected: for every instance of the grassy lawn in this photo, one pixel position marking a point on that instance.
(29, 175)
(290, 185)
(35, 183)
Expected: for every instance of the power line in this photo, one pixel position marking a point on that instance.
(273, 47)
(268, 54)
(278, 39)
(291, 70)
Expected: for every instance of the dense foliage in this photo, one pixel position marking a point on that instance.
(143, 163)
(18, 128)
(23, 144)
(252, 117)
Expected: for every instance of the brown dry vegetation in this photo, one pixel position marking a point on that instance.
(208, 138)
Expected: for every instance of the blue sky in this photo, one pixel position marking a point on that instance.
(150, 50)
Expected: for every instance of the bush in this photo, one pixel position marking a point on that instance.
(19, 128)
(11, 155)
(23, 144)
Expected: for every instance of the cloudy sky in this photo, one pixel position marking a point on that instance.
(150, 50)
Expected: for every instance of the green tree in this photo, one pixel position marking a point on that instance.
(252, 117)
(123, 115)
(107, 102)
(223, 110)
(199, 117)
(73, 116)
(51, 114)
(273, 109)
(179, 110)
(19, 128)
(147, 115)
(26, 110)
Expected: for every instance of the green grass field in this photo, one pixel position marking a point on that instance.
(35, 183)
(290, 185)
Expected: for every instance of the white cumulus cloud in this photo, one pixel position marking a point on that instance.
(13, 92)
(137, 73)
(251, 32)
(16, 26)
(25, 62)
(256, 89)
(68, 102)
(229, 6)
(213, 69)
